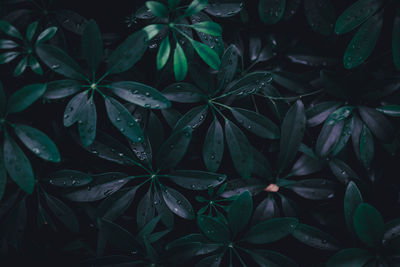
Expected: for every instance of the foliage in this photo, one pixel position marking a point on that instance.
(252, 140)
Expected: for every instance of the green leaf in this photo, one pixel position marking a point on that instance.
(92, 45)
(8, 44)
(122, 119)
(74, 108)
(177, 203)
(193, 118)
(363, 42)
(268, 258)
(315, 238)
(157, 8)
(390, 110)
(128, 53)
(153, 30)
(46, 35)
(10, 30)
(271, 11)
(163, 53)
(396, 40)
(344, 136)
(18, 166)
(25, 97)
(145, 209)
(369, 225)
(116, 204)
(213, 229)
(63, 213)
(101, 187)
(118, 236)
(366, 146)
(228, 67)
(224, 9)
(69, 178)
(62, 88)
(35, 66)
(256, 123)
(356, 14)
(239, 212)
(196, 180)
(328, 138)
(292, 132)
(213, 148)
(174, 148)
(195, 7)
(214, 42)
(31, 30)
(320, 15)
(316, 189)
(59, 61)
(271, 230)
(208, 27)
(87, 122)
(339, 114)
(250, 84)
(8, 57)
(173, 3)
(183, 93)
(207, 54)
(291, 81)
(379, 125)
(21, 66)
(38, 142)
(180, 63)
(350, 257)
(140, 94)
(240, 149)
(352, 199)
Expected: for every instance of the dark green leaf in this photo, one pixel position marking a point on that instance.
(366, 147)
(123, 120)
(31, 30)
(8, 44)
(228, 67)
(328, 137)
(25, 97)
(74, 108)
(350, 257)
(183, 93)
(356, 14)
(250, 84)
(213, 228)
(18, 166)
(271, 230)
(92, 45)
(240, 149)
(69, 178)
(46, 35)
(63, 213)
(379, 125)
(116, 204)
(193, 118)
(320, 15)
(315, 238)
(368, 225)
(140, 94)
(390, 110)
(225, 8)
(239, 212)
(352, 199)
(57, 60)
(314, 188)
(38, 142)
(35, 66)
(271, 11)
(196, 180)
(318, 113)
(174, 148)
(21, 66)
(118, 236)
(208, 27)
(177, 203)
(62, 88)
(128, 53)
(268, 258)
(213, 148)
(10, 30)
(363, 42)
(87, 122)
(292, 132)
(102, 186)
(256, 123)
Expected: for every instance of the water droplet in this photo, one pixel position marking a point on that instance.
(118, 119)
(55, 66)
(36, 150)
